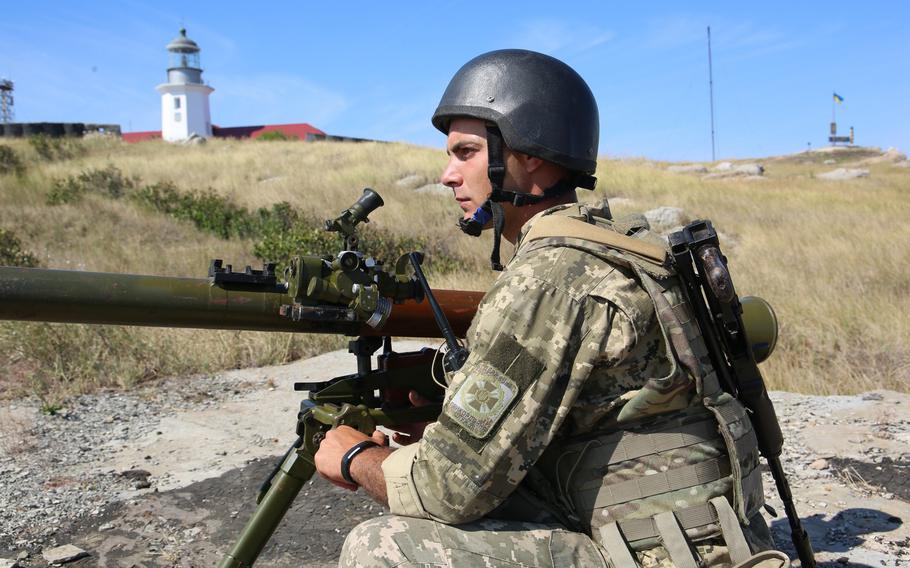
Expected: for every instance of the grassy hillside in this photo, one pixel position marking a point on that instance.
(830, 256)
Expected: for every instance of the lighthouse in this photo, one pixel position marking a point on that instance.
(184, 98)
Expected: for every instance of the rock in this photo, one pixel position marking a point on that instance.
(749, 169)
(829, 162)
(434, 188)
(819, 464)
(194, 140)
(411, 181)
(843, 174)
(664, 218)
(723, 167)
(891, 155)
(688, 169)
(63, 554)
(23, 555)
(135, 474)
(7, 563)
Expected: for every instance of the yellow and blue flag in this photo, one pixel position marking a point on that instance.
(838, 99)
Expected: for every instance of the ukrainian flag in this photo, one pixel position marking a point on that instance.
(838, 99)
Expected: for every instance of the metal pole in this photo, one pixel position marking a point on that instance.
(711, 93)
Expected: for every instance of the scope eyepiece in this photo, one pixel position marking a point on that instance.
(368, 202)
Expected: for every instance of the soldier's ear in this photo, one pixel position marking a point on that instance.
(529, 164)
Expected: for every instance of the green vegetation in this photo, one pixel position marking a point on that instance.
(52, 149)
(275, 135)
(10, 162)
(108, 182)
(12, 253)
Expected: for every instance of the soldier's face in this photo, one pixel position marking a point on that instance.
(466, 172)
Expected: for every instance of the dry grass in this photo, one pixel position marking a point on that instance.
(830, 256)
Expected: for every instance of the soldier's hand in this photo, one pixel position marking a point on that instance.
(410, 433)
(336, 443)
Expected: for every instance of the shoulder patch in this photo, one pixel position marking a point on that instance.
(481, 400)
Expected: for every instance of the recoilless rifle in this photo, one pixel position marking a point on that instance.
(355, 295)
(349, 293)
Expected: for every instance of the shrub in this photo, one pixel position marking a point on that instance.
(205, 209)
(275, 135)
(10, 162)
(11, 252)
(53, 149)
(109, 182)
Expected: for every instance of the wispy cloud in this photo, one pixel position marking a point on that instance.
(273, 97)
(740, 39)
(558, 36)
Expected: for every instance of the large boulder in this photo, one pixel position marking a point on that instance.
(411, 181)
(841, 174)
(663, 219)
(749, 169)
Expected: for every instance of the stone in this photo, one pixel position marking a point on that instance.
(411, 181)
(664, 218)
(819, 464)
(434, 188)
(841, 174)
(7, 563)
(63, 554)
(829, 162)
(688, 169)
(749, 169)
(723, 167)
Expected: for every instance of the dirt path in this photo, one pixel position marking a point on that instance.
(168, 476)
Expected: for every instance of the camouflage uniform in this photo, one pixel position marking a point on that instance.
(566, 358)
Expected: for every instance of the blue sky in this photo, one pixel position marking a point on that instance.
(377, 69)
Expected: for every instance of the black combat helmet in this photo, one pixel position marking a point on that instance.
(533, 104)
(541, 105)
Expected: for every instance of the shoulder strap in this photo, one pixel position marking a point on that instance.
(562, 226)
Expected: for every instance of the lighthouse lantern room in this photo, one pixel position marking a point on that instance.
(184, 98)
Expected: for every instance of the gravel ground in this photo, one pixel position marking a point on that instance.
(165, 476)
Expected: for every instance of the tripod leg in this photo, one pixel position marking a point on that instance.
(296, 470)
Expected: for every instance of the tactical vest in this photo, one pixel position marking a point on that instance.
(680, 457)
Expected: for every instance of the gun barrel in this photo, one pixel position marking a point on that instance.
(33, 294)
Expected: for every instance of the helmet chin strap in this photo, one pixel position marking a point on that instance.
(491, 208)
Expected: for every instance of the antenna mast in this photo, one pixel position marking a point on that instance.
(6, 101)
(711, 93)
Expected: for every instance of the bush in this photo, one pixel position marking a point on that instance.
(205, 209)
(10, 162)
(11, 253)
(109, 182)
(275, 135)
(53, 149)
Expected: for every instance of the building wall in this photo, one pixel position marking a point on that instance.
(190, 116)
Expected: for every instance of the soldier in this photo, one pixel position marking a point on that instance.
(586, 427)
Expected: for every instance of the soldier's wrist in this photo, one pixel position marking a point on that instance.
(349, 456)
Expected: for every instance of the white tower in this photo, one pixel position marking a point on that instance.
(184, 98)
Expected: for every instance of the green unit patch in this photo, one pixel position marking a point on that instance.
(481, 400)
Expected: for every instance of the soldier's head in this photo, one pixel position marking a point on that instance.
(522, 131)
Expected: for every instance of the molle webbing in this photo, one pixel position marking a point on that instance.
(630, 445)
(661, 482)
(562, 226)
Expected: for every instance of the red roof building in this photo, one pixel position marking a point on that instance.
(301, 131)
